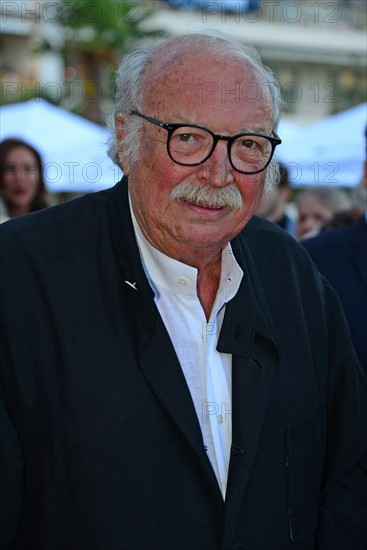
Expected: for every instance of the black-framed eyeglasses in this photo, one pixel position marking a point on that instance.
(191, 145)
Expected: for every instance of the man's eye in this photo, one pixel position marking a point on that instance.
(185, 137)
(249, 144)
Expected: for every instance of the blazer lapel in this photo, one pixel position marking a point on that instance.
(162, 370)
(156, 355)
(246, 334)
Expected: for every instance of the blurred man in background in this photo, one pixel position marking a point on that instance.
(273, 205)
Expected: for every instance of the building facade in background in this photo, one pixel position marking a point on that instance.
(316, 48)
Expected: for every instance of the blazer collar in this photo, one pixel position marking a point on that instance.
(246, 334)
(245, 319)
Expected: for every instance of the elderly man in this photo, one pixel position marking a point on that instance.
(176, 375)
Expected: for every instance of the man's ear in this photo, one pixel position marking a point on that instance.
(120, 127)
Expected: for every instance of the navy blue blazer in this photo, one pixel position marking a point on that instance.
(100, 446)
(341, 256)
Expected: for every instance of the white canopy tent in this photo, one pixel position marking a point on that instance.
(329, 152)
(73, 149)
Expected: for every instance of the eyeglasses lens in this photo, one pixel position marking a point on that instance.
(250, 153)
(190, 145)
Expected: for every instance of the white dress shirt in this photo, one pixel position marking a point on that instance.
(207, 372)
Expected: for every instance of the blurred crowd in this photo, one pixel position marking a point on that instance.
(307, 212)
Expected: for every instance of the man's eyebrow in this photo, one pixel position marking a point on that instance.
(256, 129)
(182, 119)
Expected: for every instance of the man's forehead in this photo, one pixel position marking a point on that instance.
(173, 60)
(202, 75)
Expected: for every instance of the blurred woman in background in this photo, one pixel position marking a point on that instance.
(22, 187)
(317, 206)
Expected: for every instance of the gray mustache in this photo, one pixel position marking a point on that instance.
(227, 197)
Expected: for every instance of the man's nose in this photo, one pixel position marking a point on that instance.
(217, 170)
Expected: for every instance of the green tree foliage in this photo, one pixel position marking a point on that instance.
(95, 35)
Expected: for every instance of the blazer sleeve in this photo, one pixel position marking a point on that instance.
(343, 505)
(11, 475)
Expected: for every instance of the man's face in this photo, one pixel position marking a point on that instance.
(312, 216)
(272, 205)
(225, 97)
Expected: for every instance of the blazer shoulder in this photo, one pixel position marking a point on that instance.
(260, 226)
(63, 220)
(275, 260)
(265, 234)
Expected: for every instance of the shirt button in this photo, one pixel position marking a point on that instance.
(182, 281)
